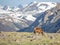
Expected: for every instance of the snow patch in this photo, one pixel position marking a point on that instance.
(31, 18)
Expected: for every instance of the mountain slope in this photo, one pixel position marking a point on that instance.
(45, 15)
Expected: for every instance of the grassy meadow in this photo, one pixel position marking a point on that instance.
(29, 38)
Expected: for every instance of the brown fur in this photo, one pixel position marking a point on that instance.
(38, 30)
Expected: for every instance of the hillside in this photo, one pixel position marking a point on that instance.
(45, 15)
(24, 38)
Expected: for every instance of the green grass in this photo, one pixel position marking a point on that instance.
(26, 38)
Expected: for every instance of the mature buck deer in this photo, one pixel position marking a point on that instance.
(38, 30)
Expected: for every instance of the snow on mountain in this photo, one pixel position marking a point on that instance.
(6, 7)
(30, 17)
(35, 14)
(3, 11)
(46, 5)
(41, 6)
(15, 9)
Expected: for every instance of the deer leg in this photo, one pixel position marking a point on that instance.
(34, 32)
(42, 33)
(39, 32)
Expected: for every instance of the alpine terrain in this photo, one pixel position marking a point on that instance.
(45, 15)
